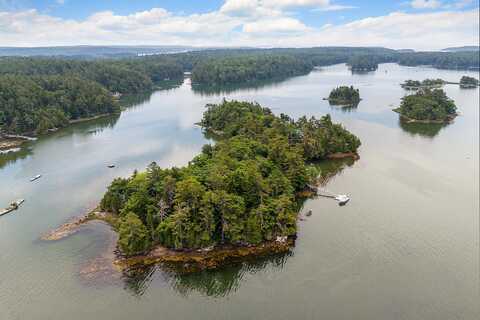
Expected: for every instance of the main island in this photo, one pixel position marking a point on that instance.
(238, 197)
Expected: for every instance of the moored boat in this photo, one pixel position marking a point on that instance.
(38, 176)
(342, 199)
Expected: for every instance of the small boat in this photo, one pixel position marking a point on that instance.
(13, 206)
(38, 176)
(111, 166)
(309, 213)
(342, 199)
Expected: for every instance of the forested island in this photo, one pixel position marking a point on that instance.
(427, 106)
(468, 82)
(344, 95)
(426, 84)
(244, 191)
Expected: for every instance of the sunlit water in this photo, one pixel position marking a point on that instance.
(405, 247)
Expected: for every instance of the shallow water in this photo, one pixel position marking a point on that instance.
(405, 247)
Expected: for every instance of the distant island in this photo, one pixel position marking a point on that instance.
(242, 192)
(425, 84)
(363, 63)
(344, 95)
(427, 106)
(468, 82)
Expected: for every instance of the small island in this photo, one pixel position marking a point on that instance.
(242, 192)
(345, 96)
(425, 84)
(468, 82)
(427, 106)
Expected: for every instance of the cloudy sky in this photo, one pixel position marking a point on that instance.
(417, 24)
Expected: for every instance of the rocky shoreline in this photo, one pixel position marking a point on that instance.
(449, 119)
(344, 155)
(11, 143)
(342, 103)
(189, 261)
(184, 261)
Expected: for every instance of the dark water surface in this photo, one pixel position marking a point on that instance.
(405, 247)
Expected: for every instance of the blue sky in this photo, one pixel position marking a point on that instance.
(240, 22)
(81, 9)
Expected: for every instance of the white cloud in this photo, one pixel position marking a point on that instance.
(425, 4)
(266, 26)
(278, 25)
(333, 7)
(295, 3)
(269, 7)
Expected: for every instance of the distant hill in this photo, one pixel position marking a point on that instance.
(93, 51)
(405, 50)
(462, 49)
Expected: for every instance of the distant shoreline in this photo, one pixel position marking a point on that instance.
(11, 141)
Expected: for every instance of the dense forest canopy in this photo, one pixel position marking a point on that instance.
(123, 76)
(441, 60)
(248, 69)
(242, 190)
(428, 105)
(344, 95)
(34, 104)
(139, 74)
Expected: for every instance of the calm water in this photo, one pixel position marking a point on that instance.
(405, 247)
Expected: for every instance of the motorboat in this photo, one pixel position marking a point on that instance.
(342, 199)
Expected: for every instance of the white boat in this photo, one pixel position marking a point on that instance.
(13, 206)
(38, 176)
(342, 199)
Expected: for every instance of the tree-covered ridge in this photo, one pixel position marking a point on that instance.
(344, 95)
(363, 63)
(427, 83)
(428, 105)
(441, 60)
(248, 69)
(34, 104)
(123, 76)
(468, 82)
(242, 190)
